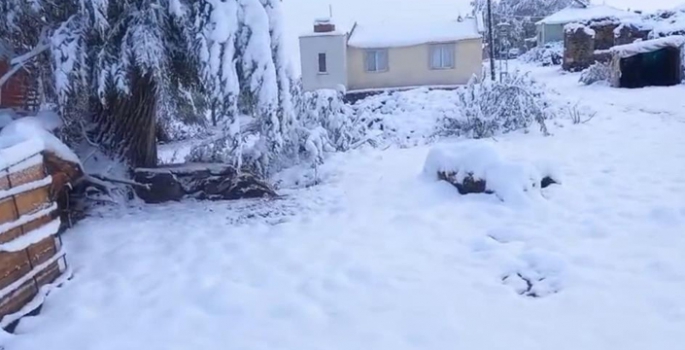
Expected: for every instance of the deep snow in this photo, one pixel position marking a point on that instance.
(378, 257)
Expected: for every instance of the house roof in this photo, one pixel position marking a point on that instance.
(580, 14)
(380, 35)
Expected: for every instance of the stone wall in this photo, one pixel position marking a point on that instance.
(579, 48)
(629, 33)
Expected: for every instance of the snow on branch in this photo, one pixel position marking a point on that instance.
(19, 62)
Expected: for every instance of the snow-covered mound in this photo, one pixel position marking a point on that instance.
(478, 161)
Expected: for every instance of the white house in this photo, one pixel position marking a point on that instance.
(551, 28)
(383, 56)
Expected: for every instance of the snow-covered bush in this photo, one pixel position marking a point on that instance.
(406, 118)
(327, 109)
(552, 54)
(488, 108)
(597, 72)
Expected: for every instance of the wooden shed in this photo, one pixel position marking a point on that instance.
(32, 259)
(655, 62)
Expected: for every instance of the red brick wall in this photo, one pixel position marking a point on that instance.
(13, 93)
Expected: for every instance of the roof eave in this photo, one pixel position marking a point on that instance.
(432, 42)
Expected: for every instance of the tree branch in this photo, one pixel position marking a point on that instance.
(120, 181)
(20, 61)
(40, 48)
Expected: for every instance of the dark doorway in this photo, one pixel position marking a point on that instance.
(656, 68)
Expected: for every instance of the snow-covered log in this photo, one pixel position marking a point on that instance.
(200, 181)
(477, 167)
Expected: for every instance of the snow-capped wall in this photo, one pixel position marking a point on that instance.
(31, 258)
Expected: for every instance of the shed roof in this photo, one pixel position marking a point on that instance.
(380, 35)
(581, 14)
(636, 48)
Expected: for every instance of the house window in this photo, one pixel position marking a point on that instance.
(323, 68)
(442, 56)
(376, 60)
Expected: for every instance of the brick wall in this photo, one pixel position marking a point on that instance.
(13, 93)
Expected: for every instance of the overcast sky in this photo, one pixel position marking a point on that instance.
(645, 5)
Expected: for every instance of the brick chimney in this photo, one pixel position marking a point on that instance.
(323, 25)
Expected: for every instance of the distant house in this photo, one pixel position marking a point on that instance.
(382, 56)
(551, 28)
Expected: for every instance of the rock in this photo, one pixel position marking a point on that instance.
(162, 187)
(547, 181)
(200, 181)
(467, 186)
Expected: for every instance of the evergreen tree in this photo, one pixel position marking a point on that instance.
(521, 15)
(117, 67)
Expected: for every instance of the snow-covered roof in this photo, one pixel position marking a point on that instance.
(24, 137)
(670, 25)
(410, 34)
(639, 47)
(580, 14)
(573, 27)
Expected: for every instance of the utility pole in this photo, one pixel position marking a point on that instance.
(491, 42)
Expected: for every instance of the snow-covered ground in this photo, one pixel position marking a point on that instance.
(379, 257)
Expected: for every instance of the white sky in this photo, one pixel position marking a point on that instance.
(645, 5)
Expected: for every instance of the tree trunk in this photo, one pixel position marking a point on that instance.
(127, 125)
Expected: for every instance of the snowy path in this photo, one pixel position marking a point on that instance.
(377, 258)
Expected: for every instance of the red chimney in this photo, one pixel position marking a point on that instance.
(323, 26)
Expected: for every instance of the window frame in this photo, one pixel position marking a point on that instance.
(380, 56)
(325, 63)
(442, 50)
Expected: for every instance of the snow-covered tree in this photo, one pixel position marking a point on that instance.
(217, 23)
(122, 69)
(521, 15)
(117, 67)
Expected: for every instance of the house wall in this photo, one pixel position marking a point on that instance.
(551, 33)
(410, 66)
(335, 48)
